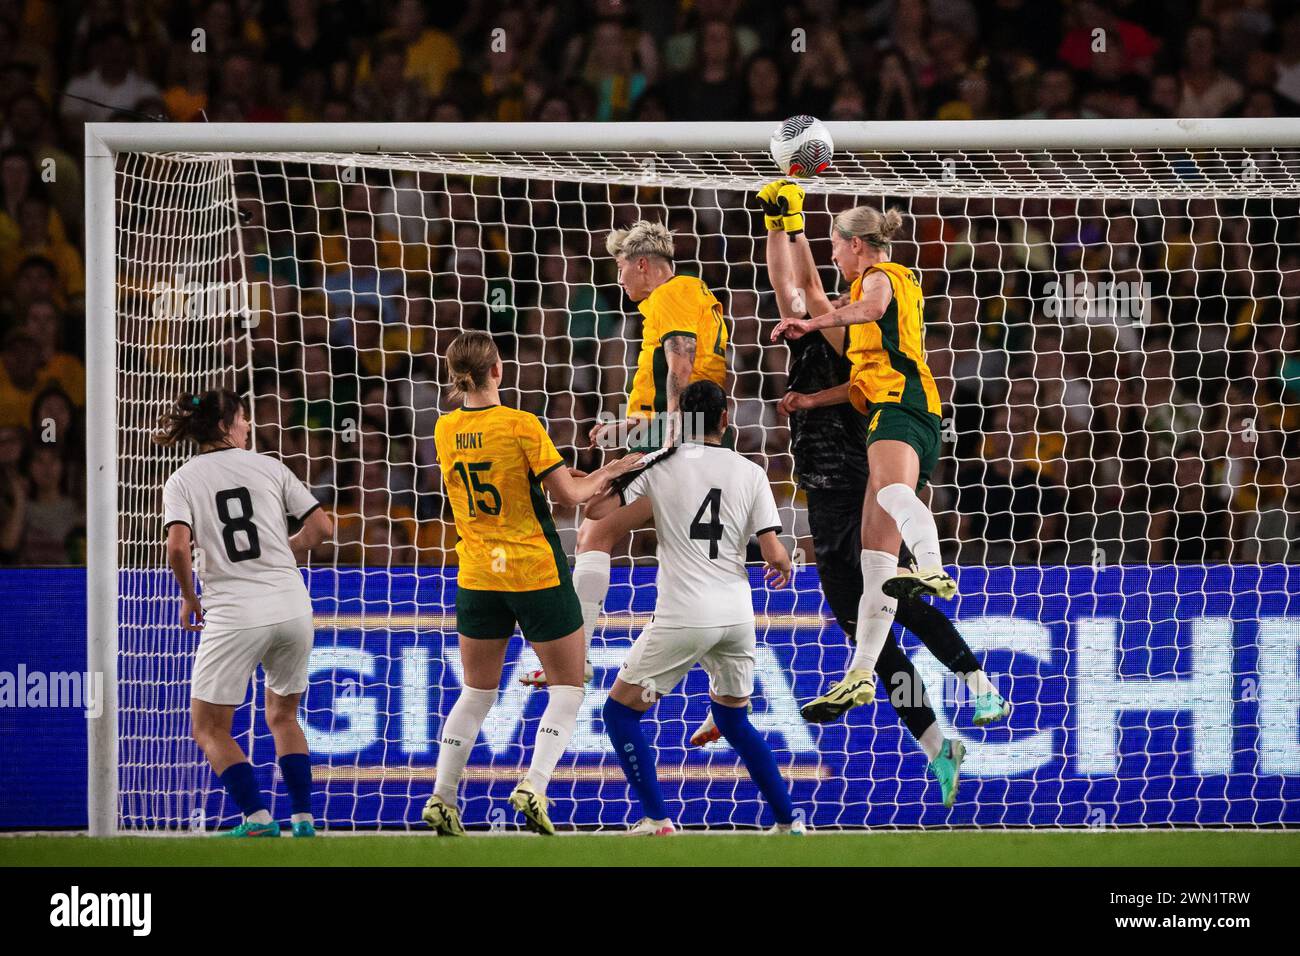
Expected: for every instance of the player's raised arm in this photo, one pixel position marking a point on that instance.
(873, 291)
(790, 265)
(679, 350)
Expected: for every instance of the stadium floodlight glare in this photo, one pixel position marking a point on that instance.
(319, 267)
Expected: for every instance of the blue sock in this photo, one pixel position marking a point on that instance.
(241, 784)
(623, 724)
(757, 756)
(296, 770)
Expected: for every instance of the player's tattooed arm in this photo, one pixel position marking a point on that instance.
(680, 353)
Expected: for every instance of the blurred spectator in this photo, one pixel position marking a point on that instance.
(715, 86)
(819, 71)
(618, 65)
(1207, 90)
(682, 50)
(30, 127)
(112, 84)
(13, 491)
(1104, 43)
(35, 239)
(52, 515)
(388, 95)
(764, 89)
(1198, 522)
(1288, 61)
(896, 95)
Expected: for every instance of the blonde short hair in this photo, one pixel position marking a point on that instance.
(642, 238)
(869, 224)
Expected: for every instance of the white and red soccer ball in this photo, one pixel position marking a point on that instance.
(802, 146)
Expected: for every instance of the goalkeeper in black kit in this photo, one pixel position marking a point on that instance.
(828, 440)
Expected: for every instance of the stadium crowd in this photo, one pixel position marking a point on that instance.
(1177, 438)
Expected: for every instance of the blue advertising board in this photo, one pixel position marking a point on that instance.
(1164, 695)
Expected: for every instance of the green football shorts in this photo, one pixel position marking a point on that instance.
(893, 422)
(544, 615)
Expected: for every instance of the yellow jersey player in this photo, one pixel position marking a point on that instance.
(684, 339)
(892, 386)
(497, 465)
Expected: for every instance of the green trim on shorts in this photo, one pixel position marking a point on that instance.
(544, 615)
(890, 421)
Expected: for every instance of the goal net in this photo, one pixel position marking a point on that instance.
(1109, 325)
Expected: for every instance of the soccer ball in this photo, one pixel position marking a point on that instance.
(802, 146)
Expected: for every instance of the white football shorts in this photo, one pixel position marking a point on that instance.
(227, 660)
(662, 656)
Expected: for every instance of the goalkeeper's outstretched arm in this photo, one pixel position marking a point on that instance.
(790, 265)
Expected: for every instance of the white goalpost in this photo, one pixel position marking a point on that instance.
(1107, 304)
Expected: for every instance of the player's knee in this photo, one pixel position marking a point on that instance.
(206, 734)
(895, 497)
(279, 718)
(593, 536)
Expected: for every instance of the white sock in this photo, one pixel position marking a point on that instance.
(978, 683)
(300, 817)
(261, 816)
(915, 523)
(876, 609)
(553, 733)
(591, 581)
(459, 733)
(932, 741)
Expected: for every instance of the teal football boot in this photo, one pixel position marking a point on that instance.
(946, 768)
(990, 708)
(250, 829)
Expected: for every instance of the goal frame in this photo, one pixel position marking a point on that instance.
(104, 142)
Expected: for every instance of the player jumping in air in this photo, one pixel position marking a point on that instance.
(236, 505)
(683, 340)
(829, 445)
(497, 465)
(707, 501)
(889, 383)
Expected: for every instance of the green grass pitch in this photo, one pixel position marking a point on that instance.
(951, 848)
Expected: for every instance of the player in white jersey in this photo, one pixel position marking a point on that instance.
(234, 506)
(708, 501)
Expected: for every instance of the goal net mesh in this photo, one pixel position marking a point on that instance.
(1103, 326)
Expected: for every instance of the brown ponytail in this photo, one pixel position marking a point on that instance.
(200, 417)
(469, 360)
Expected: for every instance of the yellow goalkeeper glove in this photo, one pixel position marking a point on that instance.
(773, 217)
(789, 199)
